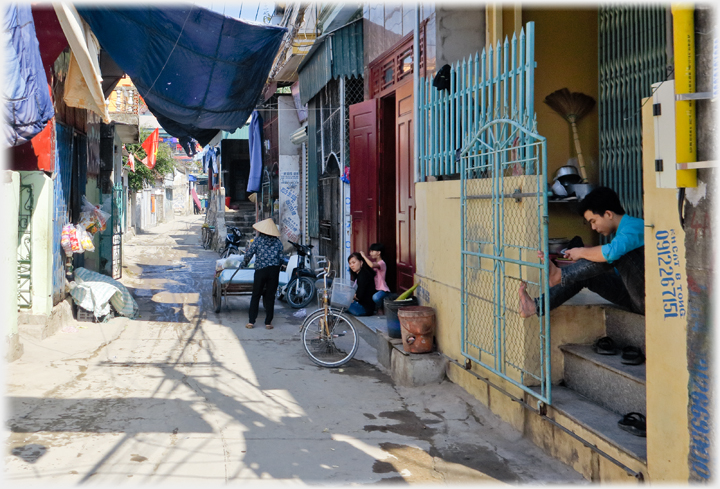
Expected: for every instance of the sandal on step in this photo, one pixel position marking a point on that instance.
(632, 355)
(633, 423)
(605, 346)
(249, 325)
(268, 326)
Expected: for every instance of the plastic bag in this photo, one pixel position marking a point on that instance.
(85, 238)
(103, 213)
(94, 218)
(69, 240)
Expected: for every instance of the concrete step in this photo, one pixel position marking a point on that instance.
(599, 421)
(604, 379)
(625, 328)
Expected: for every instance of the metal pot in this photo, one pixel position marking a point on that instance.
(556, 245)
(581, 189)
(559, 190)
(567, 174)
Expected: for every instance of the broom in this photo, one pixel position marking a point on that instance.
(572, 106)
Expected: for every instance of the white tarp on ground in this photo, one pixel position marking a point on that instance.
(95, 292)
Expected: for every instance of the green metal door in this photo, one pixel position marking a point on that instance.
(632, 57)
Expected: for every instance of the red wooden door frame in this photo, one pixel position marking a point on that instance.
(364, 173)
(405, 185)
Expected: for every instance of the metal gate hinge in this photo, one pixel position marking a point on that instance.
(659, 165)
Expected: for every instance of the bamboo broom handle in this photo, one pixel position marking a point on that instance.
(581, 161)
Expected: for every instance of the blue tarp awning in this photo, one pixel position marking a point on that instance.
(192, 178)
(198, 71)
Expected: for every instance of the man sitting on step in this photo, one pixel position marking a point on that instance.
(615, 271)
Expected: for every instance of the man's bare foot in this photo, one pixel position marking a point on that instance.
(555, 274)
(527, 305)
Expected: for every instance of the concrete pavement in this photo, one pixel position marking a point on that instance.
(186, 396)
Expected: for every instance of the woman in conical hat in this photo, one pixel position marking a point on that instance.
(267, 249)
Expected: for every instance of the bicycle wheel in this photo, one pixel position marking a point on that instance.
(335, 349)
(300, 292)
(217, 295)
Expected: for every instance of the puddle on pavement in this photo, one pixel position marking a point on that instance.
(409, 425)
(416, 465)
(358, 368)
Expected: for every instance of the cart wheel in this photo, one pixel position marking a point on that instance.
(217, 295)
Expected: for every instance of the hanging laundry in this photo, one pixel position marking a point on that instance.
(27, 106)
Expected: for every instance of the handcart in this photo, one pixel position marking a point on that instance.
(231, 281)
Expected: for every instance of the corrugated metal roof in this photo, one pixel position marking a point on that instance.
(342, 56)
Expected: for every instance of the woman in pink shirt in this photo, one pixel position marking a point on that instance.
(377, 250)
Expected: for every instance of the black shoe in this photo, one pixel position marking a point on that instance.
(633, 423)
(605, 346)
(632, 355)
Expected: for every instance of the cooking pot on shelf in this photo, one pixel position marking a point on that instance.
(556, 245)
(581, 189)
(559, 189)
(567, 175)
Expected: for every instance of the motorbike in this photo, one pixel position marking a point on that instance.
(233, 240)
(297, 280)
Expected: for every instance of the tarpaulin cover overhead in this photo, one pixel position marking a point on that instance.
(198, 71)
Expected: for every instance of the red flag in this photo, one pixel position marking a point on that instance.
(131, 162)
(150, 145)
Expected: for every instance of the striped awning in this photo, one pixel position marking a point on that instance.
(336, 53)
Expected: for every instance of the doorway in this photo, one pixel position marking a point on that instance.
(329, 207)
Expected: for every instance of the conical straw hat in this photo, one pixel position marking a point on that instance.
(267, 227)
(252, 197)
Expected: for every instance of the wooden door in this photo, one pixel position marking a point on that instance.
(364, 171)
(405, 185)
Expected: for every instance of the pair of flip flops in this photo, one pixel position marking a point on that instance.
(631, 355)
(633, 423)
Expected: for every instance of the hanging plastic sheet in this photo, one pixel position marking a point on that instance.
(83, 86)
(27, 106)
(198, 71)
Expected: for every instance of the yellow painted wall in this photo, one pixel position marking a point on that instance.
(566, 47)
(42, 239)
(668, 439)
(10, 203)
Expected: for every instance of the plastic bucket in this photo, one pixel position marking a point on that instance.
(227, 201)
(391, 313)
(417, 325)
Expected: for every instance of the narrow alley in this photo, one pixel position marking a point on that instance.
(184, 395)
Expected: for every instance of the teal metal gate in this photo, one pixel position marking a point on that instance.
(504, 228)
(118, 216)
(24, 250)
(484, 128)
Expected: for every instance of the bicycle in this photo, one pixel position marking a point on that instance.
(328, 335)
(208, 232)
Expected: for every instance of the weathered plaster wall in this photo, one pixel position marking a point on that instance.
(42, 239)
(699, 219)
(460, 33)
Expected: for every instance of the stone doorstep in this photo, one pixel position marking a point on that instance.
(599, 421)
(604, 379)
(408, 369)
